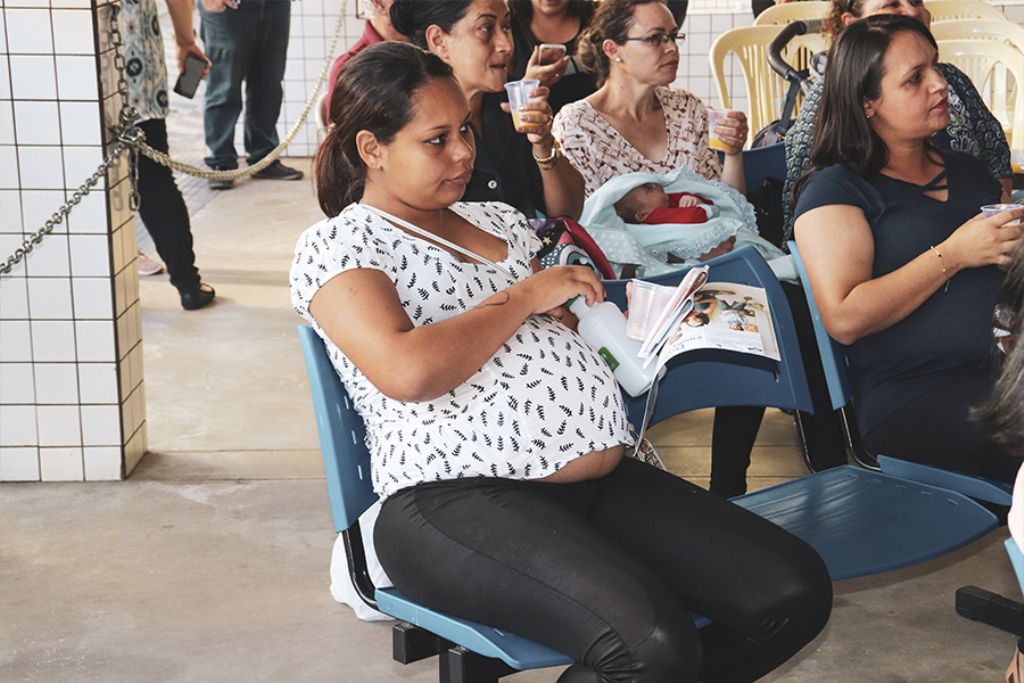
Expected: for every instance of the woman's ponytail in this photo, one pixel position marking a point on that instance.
(373, 93)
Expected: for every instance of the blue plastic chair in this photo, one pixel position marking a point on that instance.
(760, 163)
(707, 378)
(861, 522)
(763, 162)
(971, 602)
(840, 388)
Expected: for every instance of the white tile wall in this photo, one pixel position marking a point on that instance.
(19, 464)
(61, 404)
(61, 464)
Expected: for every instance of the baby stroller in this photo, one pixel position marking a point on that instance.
(799, 81)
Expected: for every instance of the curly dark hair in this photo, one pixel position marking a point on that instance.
(611, 22)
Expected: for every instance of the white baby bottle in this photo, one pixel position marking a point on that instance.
(603, 327)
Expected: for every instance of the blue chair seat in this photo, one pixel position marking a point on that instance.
(973, 486)
(863, 522)
(516, 651)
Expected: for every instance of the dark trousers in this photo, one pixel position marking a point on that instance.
(608, 570)
(164, 212)
(735, 427)
(936, 429)
(249, 44)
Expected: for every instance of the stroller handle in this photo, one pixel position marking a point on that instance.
(778, 44)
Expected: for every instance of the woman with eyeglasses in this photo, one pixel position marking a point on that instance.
(905, 268)
(636, 121)
(972, 127)
(523, 165)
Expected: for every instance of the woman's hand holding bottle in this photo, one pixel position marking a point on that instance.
(549, 289)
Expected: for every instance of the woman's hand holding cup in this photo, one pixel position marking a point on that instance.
(531, 113)
(727, 130)
(984, 240)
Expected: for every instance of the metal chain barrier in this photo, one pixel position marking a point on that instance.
(131, 140)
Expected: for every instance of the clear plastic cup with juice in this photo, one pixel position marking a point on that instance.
(518, 93)
(714, 116)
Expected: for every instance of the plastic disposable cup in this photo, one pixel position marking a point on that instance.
(518, 93)
(992, 209)
(714, 116)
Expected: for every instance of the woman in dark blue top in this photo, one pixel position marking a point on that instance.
(521, 167)
(904, 268)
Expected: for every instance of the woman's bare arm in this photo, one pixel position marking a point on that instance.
(838, 251)
(361, 312)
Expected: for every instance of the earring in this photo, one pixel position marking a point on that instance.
(619, 60)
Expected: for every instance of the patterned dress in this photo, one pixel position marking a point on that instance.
(972, 129)
(144, 68)
(543, 399)
(600, 152)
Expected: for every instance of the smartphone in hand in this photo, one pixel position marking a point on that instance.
(551, 53)
(188, 80)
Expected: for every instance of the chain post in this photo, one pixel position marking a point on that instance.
(130, 139)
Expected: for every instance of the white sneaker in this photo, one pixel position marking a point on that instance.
(147, 266)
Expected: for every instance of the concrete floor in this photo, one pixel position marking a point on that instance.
(211, 561)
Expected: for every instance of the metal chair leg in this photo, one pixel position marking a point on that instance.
(990, 608)
(411, 643)
(459, 665)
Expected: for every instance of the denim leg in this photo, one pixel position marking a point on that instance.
(263, 80)
(228, 43)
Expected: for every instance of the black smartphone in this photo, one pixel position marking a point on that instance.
(188, 80)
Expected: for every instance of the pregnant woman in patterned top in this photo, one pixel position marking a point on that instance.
(497, 435)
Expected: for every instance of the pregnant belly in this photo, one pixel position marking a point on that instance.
(593, 465)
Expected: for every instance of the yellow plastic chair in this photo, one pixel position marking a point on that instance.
(941, 10)
(985, 62)
(792, 11)
(765, 89)
(980, 29)
(987, 29)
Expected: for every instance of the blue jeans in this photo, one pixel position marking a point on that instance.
(248, 44)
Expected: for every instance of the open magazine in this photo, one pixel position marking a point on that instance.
(698, 314)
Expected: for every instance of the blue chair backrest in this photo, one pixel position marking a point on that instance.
(342, 433)
(763, 162)
(707, 378)
(833, 355)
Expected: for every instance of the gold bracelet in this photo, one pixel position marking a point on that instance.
(548, 162)
(942, 264)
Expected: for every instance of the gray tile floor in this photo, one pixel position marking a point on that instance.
(211, 561)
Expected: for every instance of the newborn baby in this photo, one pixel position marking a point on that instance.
(649, 203)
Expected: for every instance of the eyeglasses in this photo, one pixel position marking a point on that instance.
(659, 39)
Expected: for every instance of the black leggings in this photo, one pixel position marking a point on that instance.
(607, 571)
(935, 429)
(164, 212)
(736, 427)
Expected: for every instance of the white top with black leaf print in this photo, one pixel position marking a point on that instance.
(543, 399)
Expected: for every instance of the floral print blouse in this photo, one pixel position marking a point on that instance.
(600, 152)
(144, 65)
